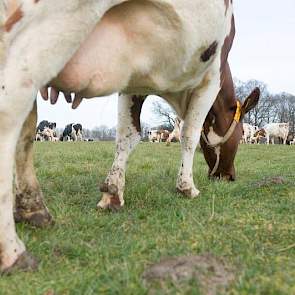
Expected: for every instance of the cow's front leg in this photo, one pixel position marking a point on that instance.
(29, 203)
(200, 103)
(128, 136)
(29, 65)
(16, 101)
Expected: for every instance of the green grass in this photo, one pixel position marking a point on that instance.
(94, 252)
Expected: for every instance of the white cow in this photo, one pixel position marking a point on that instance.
(175, 48)
(272, 130)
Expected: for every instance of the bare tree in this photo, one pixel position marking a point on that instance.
(263, 112)
(165, 113)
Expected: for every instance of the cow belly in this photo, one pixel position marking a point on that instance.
(131, 50)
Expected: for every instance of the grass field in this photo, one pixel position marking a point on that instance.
(93, 252)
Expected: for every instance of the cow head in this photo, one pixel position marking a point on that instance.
(52, 125)
(223, 131)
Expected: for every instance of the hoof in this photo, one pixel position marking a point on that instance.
(40, 218)
(25, 262)
(110, 202)
(190, 193)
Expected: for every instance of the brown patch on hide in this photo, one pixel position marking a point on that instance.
(13, 19)
(226, 47)
(136, 111)
(210, 51)
(212, 274)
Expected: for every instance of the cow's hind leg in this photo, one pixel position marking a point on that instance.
(199, 106)
(29, 204)
(128, 136)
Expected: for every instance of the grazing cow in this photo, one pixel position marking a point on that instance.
(175, 134)
(222, 131)
(154, 136)
(175, 48)
(46, 135)
(72, 132)
(273, 130)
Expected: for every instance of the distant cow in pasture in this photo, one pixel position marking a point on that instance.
(275, 130)
(45, 124)
(72, 132)
(154, 136)
(176, 48)
(46, 131)
(158, 135)
(164, 135)
(290, 139)
(249, 133)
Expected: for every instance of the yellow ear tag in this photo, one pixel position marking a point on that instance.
(238, 112)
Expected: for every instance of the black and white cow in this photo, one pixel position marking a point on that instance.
(43, 124)
(72, 132)
(46, 131)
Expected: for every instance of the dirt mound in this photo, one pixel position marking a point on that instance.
(277, 180)
(211, 273)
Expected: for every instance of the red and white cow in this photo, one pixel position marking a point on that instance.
(175, 48)
(249, 133)
(273, 130)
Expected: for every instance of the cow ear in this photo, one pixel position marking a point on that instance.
(250, 102)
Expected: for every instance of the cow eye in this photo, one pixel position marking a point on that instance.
(233, 108)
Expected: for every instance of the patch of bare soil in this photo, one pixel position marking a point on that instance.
(269, 181)
(211, 273)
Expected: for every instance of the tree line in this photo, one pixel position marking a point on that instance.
(272, 107)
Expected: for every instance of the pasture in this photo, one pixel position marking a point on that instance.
(250, 223)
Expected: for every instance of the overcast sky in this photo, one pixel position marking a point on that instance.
(264, 49)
